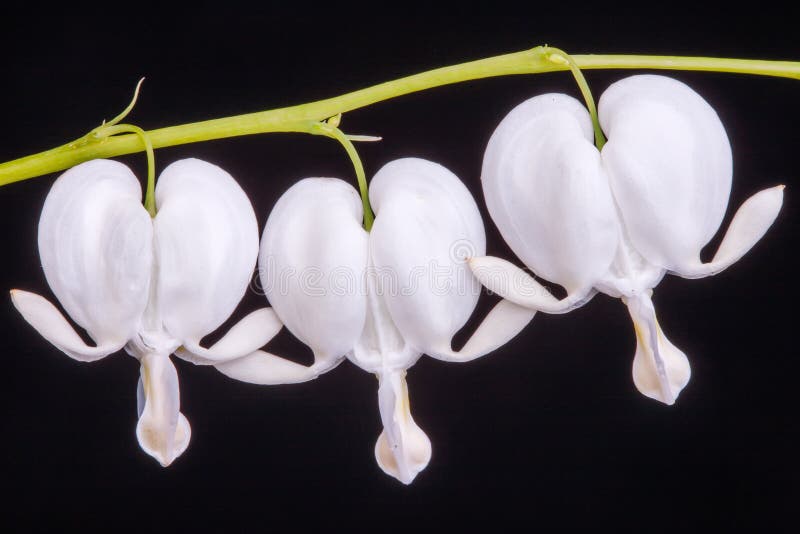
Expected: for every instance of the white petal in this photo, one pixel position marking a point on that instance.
(49, 322)
(548, 194)
(381, 344)
(660, 369)
(206, 247)
(95, 243)
(427, 226)
(245, 337)
(630, 273)
(163, 432)
(402, 449)
(268, 369)
(751, 222)
(512, 283)
(670, 166)
(503, 322)
(312, 262)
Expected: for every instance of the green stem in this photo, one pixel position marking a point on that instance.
(296, 118)
(330, 129)
(150, 193)
(561, 57)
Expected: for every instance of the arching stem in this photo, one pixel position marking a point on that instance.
(149, 197)
(296, 118)
(562, 58)
(330, 128)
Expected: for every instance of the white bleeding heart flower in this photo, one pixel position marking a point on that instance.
(148, 284)
(380, 298)
(616, 220)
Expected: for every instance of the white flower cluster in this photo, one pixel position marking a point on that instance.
(614, 220)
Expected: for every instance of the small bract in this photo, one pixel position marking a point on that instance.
(616, 220)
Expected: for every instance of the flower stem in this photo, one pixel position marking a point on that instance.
(297, 118)
(561, 57)
(150, 192)
(330, 129)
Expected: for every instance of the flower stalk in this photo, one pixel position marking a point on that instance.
(299, 118)
(561, 57)
(330, 128)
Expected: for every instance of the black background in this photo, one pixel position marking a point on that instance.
(548, 432)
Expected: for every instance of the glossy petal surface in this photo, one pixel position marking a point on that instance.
(312, 262)
(206, 238)
(670, 166)
(95, 243)
(548, 193)
(427, 227)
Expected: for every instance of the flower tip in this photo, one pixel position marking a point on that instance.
(155, 439)
(164, 461)
(474, 261)
(16, 295)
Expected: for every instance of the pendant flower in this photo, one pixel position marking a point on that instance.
(379, 298)
(616, 220)
(148, 285)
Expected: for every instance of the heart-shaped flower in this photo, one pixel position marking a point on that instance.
(616, 220)
(148, 285)
(380, 298)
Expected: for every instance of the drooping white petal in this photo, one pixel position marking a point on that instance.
(427, 226)
(260, 367)
(49, 322)
(548, 194)
(312, 262)
(253, 331)
(660, 369)
(512, 283)
(751, 222)
(206, 240)
(503, 322)
(163, 432)
(95, 243)
(268, 369)
(669, 163)
(402, 449)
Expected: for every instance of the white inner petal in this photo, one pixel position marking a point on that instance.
(381, 345)
(630, 273)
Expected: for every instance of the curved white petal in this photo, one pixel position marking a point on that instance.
(751, 222)
(312, 262)
(548, 194)
(670, 166)
(402, 449)
(254, 331)
(95, 243)
(206, 241)
(660, 369)
(268, 369)
(427, 226)
(49, 322)
(503, 322)
(163, 432)
(512, 283)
